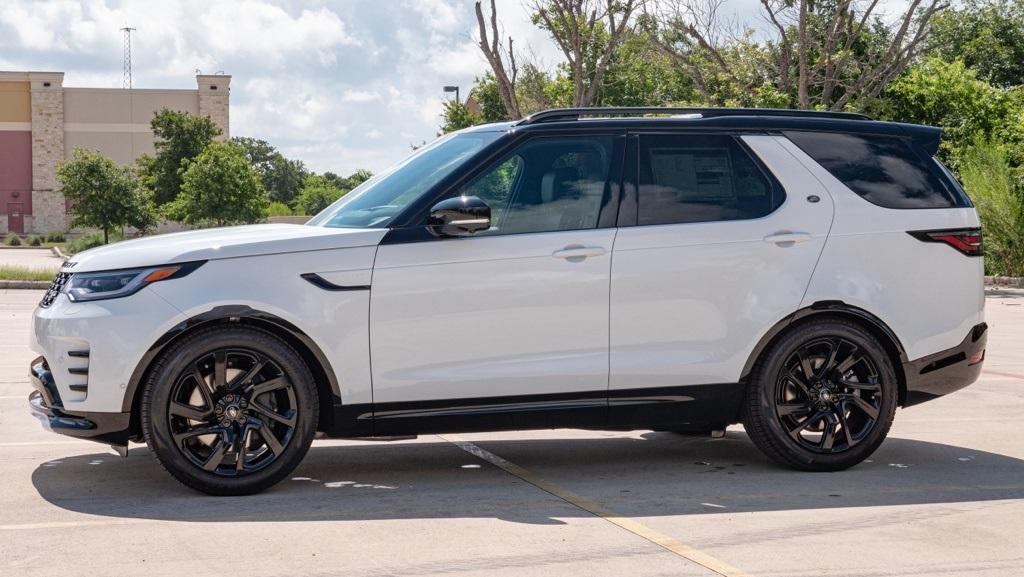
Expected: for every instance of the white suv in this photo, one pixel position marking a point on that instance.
(801, 273)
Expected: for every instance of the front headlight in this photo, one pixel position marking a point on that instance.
(95, 286)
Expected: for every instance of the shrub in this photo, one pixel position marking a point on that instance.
(55, 237)
(279, 209)
(89, 241)
(988, 179)
(317, 194)
(35, 241)
(12, 240)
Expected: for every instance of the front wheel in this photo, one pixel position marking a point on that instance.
(229, 410)
(822, 398)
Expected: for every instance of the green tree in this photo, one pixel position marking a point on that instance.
(950, 95)
(220, 187)
(180, 137)
(282, 177)
(348, 182)
(988, 35)
(317, 194)
(457, 116)
(103, 194)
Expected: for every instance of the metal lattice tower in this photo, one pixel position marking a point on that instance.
(127, 80)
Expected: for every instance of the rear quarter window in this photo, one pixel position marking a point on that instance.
(883, 170)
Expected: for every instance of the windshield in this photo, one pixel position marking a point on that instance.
(375, 202)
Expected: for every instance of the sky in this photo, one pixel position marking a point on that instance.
(337, 84)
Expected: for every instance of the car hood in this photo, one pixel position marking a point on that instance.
(217, 243)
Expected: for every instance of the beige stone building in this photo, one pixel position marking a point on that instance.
(42, 122)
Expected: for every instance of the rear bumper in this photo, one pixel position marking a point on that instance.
(45, 404)
(942, 373)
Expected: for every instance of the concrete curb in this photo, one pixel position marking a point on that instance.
(1005, 281)
(24, 284)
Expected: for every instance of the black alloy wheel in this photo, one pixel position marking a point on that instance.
(828, 395)
(233, 413)
(822, 396)
(229, 410)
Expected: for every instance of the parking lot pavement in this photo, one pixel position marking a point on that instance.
(39, 258)
(943, 496)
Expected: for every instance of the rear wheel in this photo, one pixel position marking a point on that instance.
(822, 398)
(229, 410)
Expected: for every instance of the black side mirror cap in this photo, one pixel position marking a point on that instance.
(459, 216)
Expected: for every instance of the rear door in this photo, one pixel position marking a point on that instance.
(719, 236)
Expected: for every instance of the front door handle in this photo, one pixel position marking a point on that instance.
(578, 252)
(787, 238)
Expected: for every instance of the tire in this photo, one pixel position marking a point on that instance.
(822, 397)
(225, 392)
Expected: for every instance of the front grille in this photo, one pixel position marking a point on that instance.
(56, 286)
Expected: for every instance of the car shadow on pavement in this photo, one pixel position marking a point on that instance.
(653, 475)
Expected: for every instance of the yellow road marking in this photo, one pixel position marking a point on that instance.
(593, 507)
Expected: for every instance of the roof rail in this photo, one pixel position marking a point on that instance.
(562, 114)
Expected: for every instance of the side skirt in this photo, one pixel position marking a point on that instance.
(693, 407)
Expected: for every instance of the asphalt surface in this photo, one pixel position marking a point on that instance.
(943, 496)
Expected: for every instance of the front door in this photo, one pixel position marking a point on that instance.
(510, 324)
(720, 250)
(15, 218)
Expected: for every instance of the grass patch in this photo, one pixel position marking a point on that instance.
(26, 273)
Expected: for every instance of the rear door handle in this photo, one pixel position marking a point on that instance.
(577, 252)
(787, 238)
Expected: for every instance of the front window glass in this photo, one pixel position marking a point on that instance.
(375, 202)
(547, 184)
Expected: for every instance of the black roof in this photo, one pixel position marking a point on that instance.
(733, 119)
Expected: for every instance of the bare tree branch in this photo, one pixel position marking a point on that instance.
(492, 51)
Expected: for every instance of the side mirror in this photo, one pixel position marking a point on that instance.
(459, 216)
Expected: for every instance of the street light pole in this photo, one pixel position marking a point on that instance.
(454, 89)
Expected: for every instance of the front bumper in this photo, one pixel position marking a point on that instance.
(46, 405)
(946, 371)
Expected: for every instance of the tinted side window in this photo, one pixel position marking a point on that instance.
(884, 170)
(699, 178)
(546, 184)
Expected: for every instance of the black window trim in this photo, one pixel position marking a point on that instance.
(630, 213)
(413, 221)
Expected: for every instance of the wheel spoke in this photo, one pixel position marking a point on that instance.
(795, 431)
(864, 406)
(872, 387)
(203, 386)
(850, 361)
(198, 432)
(243, 378)
(288, 419)
(268, 437)
(828, 435)
(220, 369)
(806, 365)
(846, 426)
(190, 412)
(240, 443)
(216, 456)
(268, 385)
(792, 409)
(800, 383)
(830, 361)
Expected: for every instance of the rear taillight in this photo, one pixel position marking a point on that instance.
(965, 240)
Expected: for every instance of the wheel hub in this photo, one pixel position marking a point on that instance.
(232, 409)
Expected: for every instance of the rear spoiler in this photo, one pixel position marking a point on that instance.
(927, 137)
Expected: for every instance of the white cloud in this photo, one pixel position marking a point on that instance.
(358, 96)
(338, 84)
